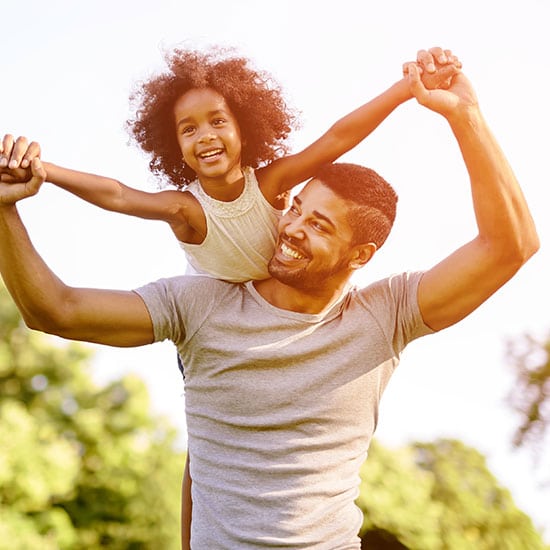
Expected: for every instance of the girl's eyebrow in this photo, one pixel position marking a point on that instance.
(316, 213)
(215, 112)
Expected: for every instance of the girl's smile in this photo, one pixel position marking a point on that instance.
(209, 138)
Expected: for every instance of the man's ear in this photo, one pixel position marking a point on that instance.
(361, 254)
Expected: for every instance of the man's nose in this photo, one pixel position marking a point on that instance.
(293, 227)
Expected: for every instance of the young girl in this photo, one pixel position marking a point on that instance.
(215, 129)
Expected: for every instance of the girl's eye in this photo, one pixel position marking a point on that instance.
(218, 121)
(187, 130)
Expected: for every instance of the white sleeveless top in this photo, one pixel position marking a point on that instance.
(241, 234)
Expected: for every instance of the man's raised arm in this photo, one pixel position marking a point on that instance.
(507, 236)
(115, 318)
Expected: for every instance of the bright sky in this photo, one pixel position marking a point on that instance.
(67, 72)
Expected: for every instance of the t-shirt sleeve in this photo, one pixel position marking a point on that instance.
(166, 316)
(394, 303)
(179, 305)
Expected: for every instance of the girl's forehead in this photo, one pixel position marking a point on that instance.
(200, 99)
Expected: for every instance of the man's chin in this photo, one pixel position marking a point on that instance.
(299, 279)
(285, 275)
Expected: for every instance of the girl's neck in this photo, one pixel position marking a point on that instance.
(224, 188)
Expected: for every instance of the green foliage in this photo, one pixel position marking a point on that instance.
(530, 396)
(81, 466)
(440, 496)
(395, 496)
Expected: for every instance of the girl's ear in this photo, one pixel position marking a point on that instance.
(361, 255)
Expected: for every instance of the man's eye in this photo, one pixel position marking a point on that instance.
(318, 226)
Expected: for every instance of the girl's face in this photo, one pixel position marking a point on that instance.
(208, 135)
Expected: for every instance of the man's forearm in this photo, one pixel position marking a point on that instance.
(502, 214)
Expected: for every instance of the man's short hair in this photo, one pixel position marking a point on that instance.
(372, 200)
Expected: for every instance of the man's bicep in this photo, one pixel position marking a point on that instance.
(459, 284)
(110, 317)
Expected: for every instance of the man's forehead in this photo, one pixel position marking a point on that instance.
(315, 194)
(321, 201)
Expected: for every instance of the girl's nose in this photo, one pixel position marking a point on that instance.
(207, 136)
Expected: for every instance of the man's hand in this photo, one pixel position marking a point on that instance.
(458, 98)
(15, 159)
(437, 67)
(12, 192)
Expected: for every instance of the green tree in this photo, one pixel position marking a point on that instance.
(439, 496)
(529, 358)
(81, 466)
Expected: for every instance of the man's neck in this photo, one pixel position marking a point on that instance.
(299, 300)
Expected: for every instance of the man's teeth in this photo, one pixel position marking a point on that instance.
(287, 251)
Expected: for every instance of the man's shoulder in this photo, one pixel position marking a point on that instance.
(393, 285)
(189, 288)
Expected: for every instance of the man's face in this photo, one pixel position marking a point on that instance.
(314, 246)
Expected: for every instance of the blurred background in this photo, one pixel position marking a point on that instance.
(68, 71)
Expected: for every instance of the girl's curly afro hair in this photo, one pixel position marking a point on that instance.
(254, 98)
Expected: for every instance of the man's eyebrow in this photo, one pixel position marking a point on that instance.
(316, 213)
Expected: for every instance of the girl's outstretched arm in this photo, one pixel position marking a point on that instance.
(283, 174)
(178, 209)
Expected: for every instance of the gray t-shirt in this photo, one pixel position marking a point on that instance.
(281, 406)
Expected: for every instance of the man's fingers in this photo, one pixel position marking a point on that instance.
(15, 153)
(6, 146)
(441, 79)
(453, 59)
(439, 55)
(20, 147)
(426, 60)
(10, 193)
(38, 177)
(33, 150)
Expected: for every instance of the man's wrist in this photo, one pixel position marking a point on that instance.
(466, 118)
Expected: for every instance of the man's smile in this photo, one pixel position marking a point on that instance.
(291, 252)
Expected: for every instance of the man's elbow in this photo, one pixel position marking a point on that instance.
(45, 322)
(525, 248)
(529, 246)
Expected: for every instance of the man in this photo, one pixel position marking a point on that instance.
(284, 375)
